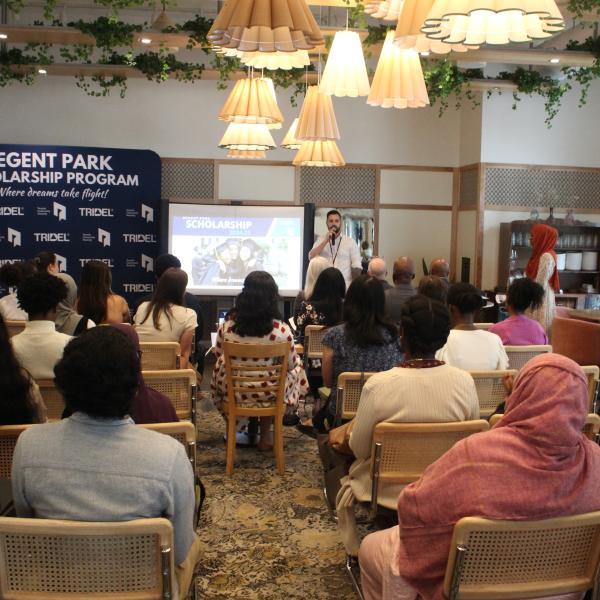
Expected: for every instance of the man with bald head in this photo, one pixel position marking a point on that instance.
(404, 273)
(440, 268)
(378, 269)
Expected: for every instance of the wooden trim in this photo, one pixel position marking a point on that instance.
(187, 160)
(216, 181)
(415, 168)
(533, 167)
(297, 199)
(188, 200)
(417, 206)
(527, 209)
(454, 223)
(376, 207)
(479, 228)
(470, 167)
(332, 204)
(254, 163)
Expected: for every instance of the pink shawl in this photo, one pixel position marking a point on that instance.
(535, 464)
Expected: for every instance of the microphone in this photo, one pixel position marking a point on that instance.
(333, 238)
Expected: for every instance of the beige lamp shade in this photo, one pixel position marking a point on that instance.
(251, 102)
(247, 154)
(269, 60)
(271, 87)
(265, 26)
(386, 10)
(239, 136)
(408, 30)
(345, 73)
(475, 22)
(398, 81)
(317, 120)
(289, 141)
(320, 153)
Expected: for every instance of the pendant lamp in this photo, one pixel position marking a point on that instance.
(319, 153)
(247, 154)
(409, 35)
(289, 141)
(270, 60)
(475, 22)
(265, 26)
(317, 120)
(271, 87)
(240, 136)
(251, 102)
(398, 81)
(386, 10)
(345, 72)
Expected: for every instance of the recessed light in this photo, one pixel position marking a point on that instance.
(3, 36)
(145, 40)
(42, 71)
(425, 53)
(555, 60)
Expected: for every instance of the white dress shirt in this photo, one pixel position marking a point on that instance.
(343, 255)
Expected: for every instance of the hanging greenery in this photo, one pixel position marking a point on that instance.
(109, 32)
(100, 86)
(444, 79)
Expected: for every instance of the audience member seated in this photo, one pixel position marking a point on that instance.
(165, 318)
(365, 341)
(519, 330)
(110, 470)
(12, 275)
(96, 299)
(419, 390)
(68, 320)
(39, 346)
(534, 464)
(467, 347)
(433, 287)
(378, 269)
(256, 320)
(20, 398)
(440, 268)
(404, 273)
(316, 266)
(45, 262)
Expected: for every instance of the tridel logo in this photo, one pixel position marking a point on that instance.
(61, 263)
(14, 237)
(103, 237)
(60, 211)
(147, 263)
(147, 213)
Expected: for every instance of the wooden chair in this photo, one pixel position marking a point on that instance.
(490, 390)
(53, 399)
(46, 558)
(501, 560)
(9, 434)
(184, 432)
(179, 385)
(349, 389)
(313, 341)
(242, 371)
(592, 372)
(591, 428)
(519, 355)
(14, 327)
(485, 326)
(160, 355)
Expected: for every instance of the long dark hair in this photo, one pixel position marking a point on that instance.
(14, 385)
(364, 308)
(94, 290)
(256, 306)
(170, 290)
(328, 295)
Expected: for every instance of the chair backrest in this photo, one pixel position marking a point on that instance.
(14, 327)
(592, 372)
(490, 390)
(485, 326)
(184, 432)
(245, 376)
(519, 355)
(498, 560)
(591, 427)
(313, 341)
(45, 558)
(349, 389)
(160, 355)
(53, 399)
(402, 451)
(9, 434)
(179, 385)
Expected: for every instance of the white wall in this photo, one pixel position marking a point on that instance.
(470, 132)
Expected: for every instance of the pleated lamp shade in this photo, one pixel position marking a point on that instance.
(317, 120)
(271, 87)
(247, 154)
(398, 81)
(289, 141)
(386, 10)
(474, 22)
(319, 153)
(408, 30)
(239, 136)
(265, 26)
(269, 60)
(345, 73)
(251, 102)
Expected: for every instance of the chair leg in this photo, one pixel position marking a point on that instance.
(351, 565)
(278, 444)
(231, 423)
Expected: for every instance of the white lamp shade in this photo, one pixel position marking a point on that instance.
(289, 141)
(239, 136)
(319, 154)
(247, 154)
(269, 60)
(317, 120)
(345, 73)
(386, 10)
(398, 80)
(271, 87)
(251, 102)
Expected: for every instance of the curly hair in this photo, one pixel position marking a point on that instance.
(425, 324)
(13, 274)
(99, 373)
(41, 293)
(465, 297)
(524, 293)
(170, 290)
(257, 305)
(94, 290)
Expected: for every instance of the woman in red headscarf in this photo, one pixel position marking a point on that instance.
(542, 269)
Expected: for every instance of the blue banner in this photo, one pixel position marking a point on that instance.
(83, 204)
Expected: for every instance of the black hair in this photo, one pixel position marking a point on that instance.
(41, 293)
(15, 385)
(425, 324)
(364, 308)
(524, 293)
(433, 287)
(13, 274)
(466, 297)
(328, 295)
(333, 212)
(87, 377)
(257, 305)
(43, 260)
(169, 290)
(164, 262)
(94, 290)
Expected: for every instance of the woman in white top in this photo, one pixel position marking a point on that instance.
(467, 347)
(165, 318)
(12, 275)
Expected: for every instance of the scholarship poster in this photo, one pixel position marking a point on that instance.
(83, 204)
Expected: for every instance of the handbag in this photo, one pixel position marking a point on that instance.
(339, 438)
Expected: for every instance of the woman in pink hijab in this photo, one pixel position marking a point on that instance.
(534, 464)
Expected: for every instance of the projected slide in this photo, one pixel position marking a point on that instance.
(219, 245)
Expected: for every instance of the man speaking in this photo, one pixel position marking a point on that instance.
(340, 250)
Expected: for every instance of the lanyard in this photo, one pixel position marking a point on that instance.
(333, 257)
